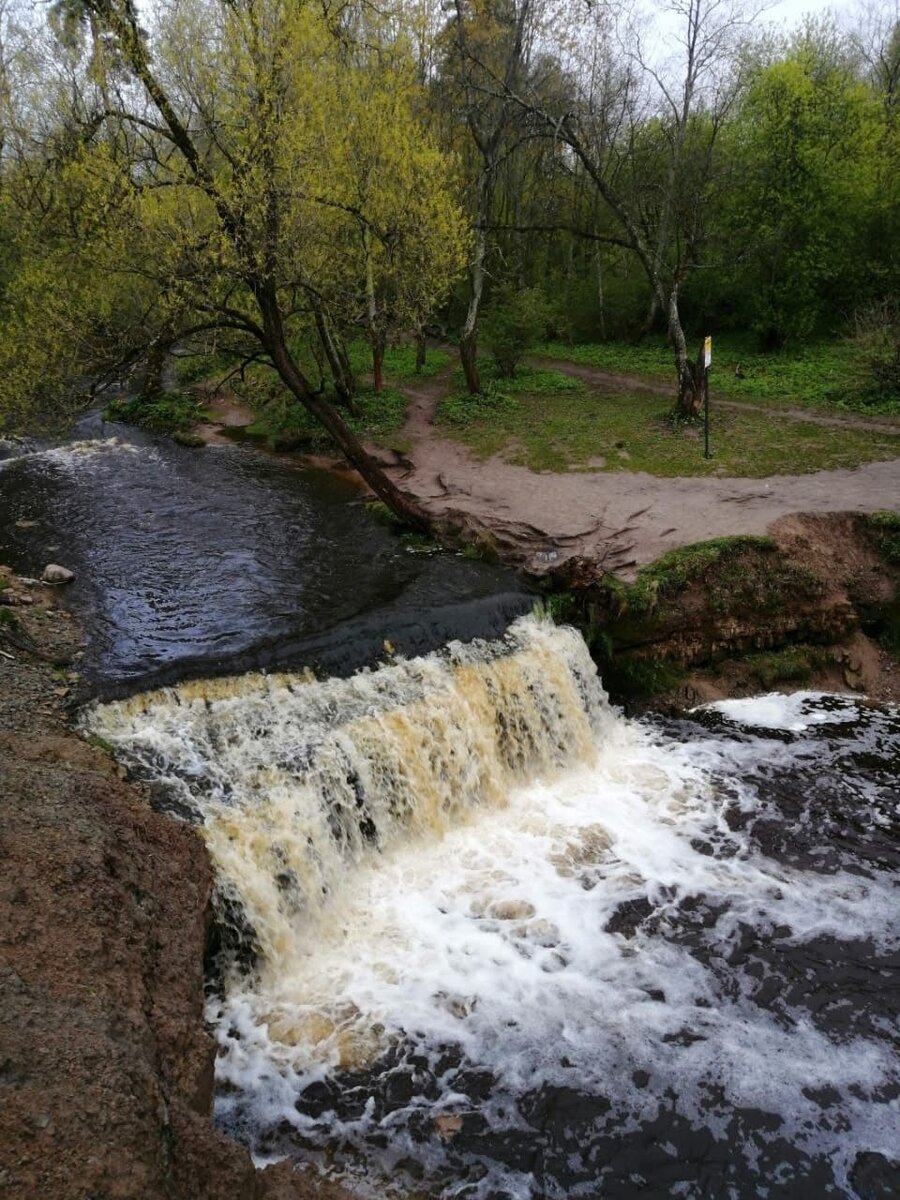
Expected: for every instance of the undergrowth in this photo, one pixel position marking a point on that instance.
(170, 412)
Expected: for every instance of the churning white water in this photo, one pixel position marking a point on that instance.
(71, 455)
(509, 943)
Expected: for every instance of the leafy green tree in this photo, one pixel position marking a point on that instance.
(220, 191)
(808, 140)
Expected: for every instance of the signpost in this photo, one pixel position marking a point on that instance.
(707, 363)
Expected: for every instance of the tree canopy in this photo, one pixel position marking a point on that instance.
(258, 178)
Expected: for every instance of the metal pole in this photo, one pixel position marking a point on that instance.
(706, 453)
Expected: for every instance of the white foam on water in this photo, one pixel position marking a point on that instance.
(513, 815)
(75, 454)
(794, 713)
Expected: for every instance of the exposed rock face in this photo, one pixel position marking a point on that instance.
(106, 1072)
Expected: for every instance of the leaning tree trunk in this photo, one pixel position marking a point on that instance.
(404, 506)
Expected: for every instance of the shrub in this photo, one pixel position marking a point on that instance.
(878, 338)
(516, 321)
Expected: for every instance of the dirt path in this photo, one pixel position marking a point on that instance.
(624, 518)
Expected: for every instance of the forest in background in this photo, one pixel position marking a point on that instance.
(260, 185)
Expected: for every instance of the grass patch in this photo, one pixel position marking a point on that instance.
(498, 406)
(399, 363)
(171, 412)
(827, 375)
(681, 566)
(550, 422)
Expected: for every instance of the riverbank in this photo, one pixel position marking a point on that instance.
(813, 604)
(106, 1069)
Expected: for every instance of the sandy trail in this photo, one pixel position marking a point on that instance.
(625, 518)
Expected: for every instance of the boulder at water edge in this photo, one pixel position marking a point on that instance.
(53, 573)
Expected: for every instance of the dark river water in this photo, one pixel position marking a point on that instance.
(198, 561)
(507, 944)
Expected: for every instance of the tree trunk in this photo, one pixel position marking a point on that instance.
(421, 349)
(404, 506)
(378, 363)
(690, 374)
(468, 344)
(468, 350)
(335, 365)
(601, 299)
(346, 369)
(650, 319)
(154, 365)
(376, 334)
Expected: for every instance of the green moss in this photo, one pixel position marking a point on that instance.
(564, 608)
(792, 664)
(99, 743)
(186, 438)
(380, 511)
(627, 678)
(737, 574)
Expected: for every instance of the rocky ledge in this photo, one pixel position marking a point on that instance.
(106, 1071)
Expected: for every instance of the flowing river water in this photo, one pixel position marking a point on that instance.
(480, 935)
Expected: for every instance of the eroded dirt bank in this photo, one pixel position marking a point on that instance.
(816, 603)
(106, 1072)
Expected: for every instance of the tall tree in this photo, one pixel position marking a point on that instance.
(602, 115)
(224, 124)
(487, 44)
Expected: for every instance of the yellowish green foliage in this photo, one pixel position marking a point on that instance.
(305, 140)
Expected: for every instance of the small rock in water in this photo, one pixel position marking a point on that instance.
(54, 573)
(447, 1124)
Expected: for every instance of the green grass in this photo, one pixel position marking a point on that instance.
(821, 375)
(547, 424)
(792, 664)
(674, 570)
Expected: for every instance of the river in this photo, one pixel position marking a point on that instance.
(480, 935)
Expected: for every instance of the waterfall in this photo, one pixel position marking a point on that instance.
(509, 943)
(297, 782)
